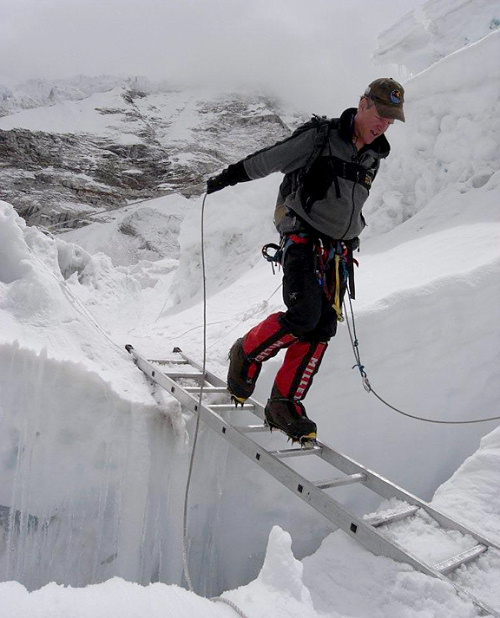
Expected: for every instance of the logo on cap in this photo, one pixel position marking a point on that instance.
(395, 97)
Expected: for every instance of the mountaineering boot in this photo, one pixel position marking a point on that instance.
(290, 416)
(242, 374)
(249, 352)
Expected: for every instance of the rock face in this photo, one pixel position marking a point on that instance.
(50, 177)
(70, 158)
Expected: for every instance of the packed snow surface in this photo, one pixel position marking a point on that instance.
(436, 29)
(93, 459)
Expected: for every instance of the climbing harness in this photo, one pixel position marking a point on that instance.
(333, 279)
(278, 257)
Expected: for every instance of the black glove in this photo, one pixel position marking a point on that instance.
(230, 176)
(216, 183)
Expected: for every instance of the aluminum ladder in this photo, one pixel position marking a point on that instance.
(182, 377)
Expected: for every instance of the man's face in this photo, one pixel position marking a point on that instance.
(369, 124)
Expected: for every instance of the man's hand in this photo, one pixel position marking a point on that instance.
(228, 177)
(216, 183)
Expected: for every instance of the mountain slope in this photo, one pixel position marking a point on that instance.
(76, 157)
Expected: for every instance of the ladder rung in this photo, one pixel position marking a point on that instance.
(391, 516)
(296, 452)
(169, 361)
(447, 566)
(332, 510)
(347, 480)
(206, 389)
(251, 428)
(230, 406)
(177, 375)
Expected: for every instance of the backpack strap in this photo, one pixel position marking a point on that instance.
(323, 126)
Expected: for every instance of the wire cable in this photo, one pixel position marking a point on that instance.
(368, 387)
(79, 306)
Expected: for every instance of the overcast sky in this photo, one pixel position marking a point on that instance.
(307, 50)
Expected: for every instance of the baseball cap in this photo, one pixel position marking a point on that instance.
(388, 96)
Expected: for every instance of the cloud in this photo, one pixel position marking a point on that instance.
(307, 51)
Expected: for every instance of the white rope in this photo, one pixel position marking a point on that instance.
(89, 215)
(185, 541)
(77, 303)
(368, 387)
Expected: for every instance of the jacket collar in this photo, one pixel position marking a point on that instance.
(379, 148)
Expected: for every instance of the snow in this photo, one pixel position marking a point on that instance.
(137, 234)
(176, 120)
(93, 460)
(435, 30)
(449, 144)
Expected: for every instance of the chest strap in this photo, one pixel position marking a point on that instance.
(352, 171)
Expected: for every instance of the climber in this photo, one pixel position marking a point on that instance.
(329, 166)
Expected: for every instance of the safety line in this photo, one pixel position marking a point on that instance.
(75, 301)
(95, 323)
(196, 431)
(368, 387)
(94, 214)
(197, 426)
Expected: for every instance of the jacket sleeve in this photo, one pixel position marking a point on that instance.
(285, 156)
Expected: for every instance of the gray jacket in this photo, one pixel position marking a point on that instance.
(337, 214)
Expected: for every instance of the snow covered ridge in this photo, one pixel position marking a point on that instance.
(435, 30)
(80, 432)
(131, 142)
(42, 92)
(39, 312)
(450, 141)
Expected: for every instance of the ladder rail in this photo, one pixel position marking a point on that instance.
(288, 477)
(387, 489)
(316, 497)
(210, 377)
(374, 481)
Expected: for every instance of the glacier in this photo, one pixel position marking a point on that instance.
(93, 460)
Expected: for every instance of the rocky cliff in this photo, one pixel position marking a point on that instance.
(84, 150)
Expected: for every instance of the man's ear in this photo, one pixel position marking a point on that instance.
(362, 104)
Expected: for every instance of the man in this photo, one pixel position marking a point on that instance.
(329, 167)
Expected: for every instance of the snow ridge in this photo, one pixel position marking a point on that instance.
(435, 30)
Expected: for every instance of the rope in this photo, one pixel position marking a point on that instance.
(93, 214)
(76, 302)
(368, 387)
(78, 305)
(197, 426)
(231, 604)
(185, 542)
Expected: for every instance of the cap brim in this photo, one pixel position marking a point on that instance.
(390, 111)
